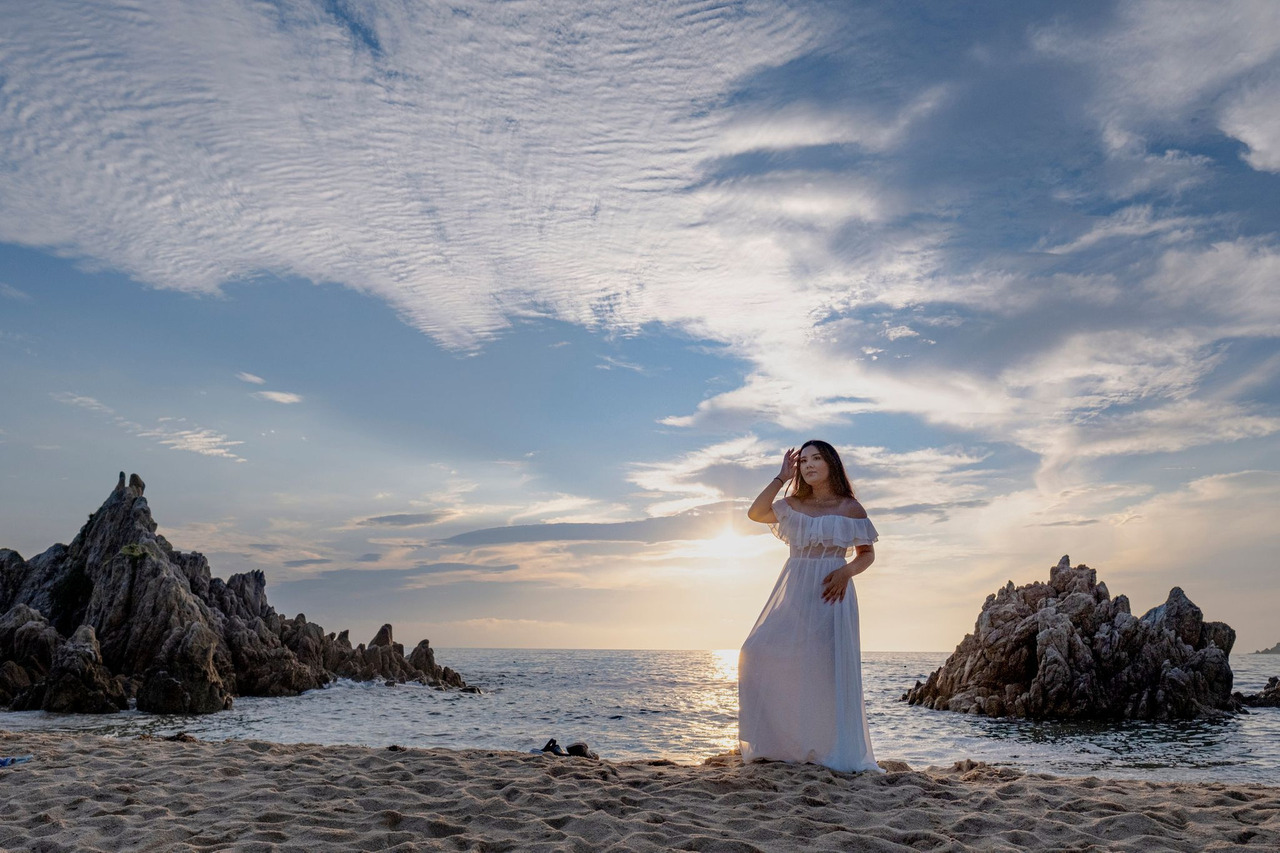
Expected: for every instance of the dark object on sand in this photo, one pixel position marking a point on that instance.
(578, 749)
(1067, 650)
(149, 622)
(581, 750)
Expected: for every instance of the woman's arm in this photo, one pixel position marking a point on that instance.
(834, 584)
(762, 507)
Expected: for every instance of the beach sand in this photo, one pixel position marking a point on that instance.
(92, 793)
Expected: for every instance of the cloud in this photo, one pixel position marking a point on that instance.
(701, 477)
(83, 402)
(1161, 57)
(315, 561)
(278, 396)
(361, 583)
(323, 176)
(1132, 222)
(493, 624)
(987, 227)
(415, 519)
(609, 363)
(251, 378)
(8, 291)
(704, 522)
(168, 432)
(1253, 117)
(426, 575)
(806, 125)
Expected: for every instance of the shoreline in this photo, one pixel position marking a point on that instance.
(88, 792)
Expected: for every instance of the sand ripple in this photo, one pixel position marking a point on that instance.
(93, 793)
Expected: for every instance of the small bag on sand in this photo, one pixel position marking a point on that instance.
(581, 750)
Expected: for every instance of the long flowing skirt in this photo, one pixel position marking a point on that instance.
(800, 675)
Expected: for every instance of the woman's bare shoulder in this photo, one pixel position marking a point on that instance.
(853, 509)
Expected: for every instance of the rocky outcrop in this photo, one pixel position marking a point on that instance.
(1274, 650)
(154, 621)
(1067, 650)
(28, 646)
(1268, 698)
(424, 658)
(77, 682)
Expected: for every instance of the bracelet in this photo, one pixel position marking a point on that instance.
(780, 480)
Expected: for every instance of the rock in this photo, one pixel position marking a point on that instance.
(1274, 650)
(161, 621)
(383, 637)
(1268, 698)
(1067, 650)
(78, 683)
(890, 765)
(28, 647)
(184, 680)
(423, 658)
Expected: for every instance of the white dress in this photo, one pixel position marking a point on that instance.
(800, 669)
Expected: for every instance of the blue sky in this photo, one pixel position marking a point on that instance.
(489, 319)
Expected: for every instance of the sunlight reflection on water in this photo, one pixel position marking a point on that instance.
(683, 705)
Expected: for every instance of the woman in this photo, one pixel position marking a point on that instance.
(800, 672)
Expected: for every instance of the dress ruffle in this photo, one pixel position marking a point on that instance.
(829, 531)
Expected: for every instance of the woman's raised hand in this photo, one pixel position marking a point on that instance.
(790, 460)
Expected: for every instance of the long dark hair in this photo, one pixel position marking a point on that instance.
(836, 476)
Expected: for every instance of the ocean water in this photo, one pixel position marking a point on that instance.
(682, 705)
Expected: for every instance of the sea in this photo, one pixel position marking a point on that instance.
(682, 706)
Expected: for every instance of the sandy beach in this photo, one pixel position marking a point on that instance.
(92, 793)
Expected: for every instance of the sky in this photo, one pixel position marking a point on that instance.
(490, 319)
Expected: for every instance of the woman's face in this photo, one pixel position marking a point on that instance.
(813, 467)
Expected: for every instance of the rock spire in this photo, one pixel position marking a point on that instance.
(148, 621)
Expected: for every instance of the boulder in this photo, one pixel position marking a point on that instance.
(423, 658)
(161, 620)
(1268, 698)
(78, 683)
(28, 647)
(1067, 650)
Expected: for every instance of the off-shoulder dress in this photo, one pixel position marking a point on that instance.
(800, 669)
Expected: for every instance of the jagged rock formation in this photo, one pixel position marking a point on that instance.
(149, 621)
(1274, 650)
(1067, 650)
(1268, 698)
(77, 682)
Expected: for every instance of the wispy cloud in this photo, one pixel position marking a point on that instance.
(251, 378)
(704, 522)
(83, 402)
(610, 363)
(411, 519)
(170, 432)
(702, 476)
(8, 291)
(284, 397)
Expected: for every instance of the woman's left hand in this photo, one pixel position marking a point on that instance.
(834, 585)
